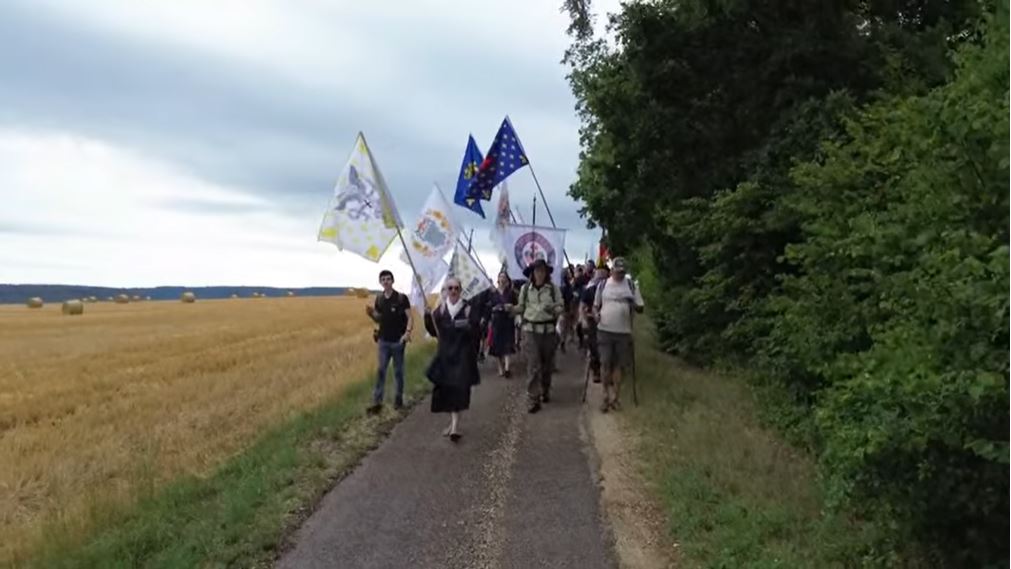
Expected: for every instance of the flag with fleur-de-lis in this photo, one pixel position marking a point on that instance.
(362, 217)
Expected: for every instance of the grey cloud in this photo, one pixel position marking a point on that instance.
(211, 207)
(247, 126)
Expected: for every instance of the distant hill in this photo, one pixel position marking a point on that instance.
(19, 293)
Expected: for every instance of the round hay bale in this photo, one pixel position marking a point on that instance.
(135, 298)
(111, 298)
(362, 293)
(122, 299)
(290, 293)
(235, 296)
(188, 297)
(34, 302)
(73, 307)
(147, 298)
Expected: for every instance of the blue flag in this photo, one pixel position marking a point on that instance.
(472, 160)
(505, 156)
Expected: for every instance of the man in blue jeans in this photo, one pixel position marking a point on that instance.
(392, 311)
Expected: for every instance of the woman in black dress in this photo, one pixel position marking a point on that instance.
(503, 327)
(454, 369)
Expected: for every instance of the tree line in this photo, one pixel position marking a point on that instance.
(817, 192)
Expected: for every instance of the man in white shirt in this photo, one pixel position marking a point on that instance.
(616, 300)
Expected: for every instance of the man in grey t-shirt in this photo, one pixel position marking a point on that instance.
(614, 303)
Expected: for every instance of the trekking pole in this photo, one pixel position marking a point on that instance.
(586, 376)
(635, 393)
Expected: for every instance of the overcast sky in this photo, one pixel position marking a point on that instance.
(197, 143)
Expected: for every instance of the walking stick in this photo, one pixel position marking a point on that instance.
(635, 393)
(586, 376)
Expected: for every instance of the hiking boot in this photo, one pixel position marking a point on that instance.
(546, 398)
(507, 374)
(398, 404)
(374, 409)
(534, 408)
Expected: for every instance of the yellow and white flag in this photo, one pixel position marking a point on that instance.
(464, 267)
(361, 217)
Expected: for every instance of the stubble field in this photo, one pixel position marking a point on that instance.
(99, 408)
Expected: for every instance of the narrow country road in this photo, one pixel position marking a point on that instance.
(519, 491)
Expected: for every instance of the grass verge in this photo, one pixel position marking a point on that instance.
(735, 493)
(240, 515)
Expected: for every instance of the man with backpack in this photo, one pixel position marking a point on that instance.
(539, 305)
(392, 311)
(589, 319)
(614, 302)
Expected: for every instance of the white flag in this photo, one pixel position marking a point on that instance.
(523, 244)
(502, 217)
(361, 217)
(464, 267)
(432, 236)
(430, 281)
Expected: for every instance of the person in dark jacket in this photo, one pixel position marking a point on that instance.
(454, 370)
(503, 335)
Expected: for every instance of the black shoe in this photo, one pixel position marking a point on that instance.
(596, 379)
(398, 404)
(546, 398)
(374, 409)
(507, 374)
(455, 437)
(534, 408)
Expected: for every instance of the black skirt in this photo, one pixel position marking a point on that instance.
(503, 336)
(450, 399)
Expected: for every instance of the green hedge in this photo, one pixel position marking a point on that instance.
(819, 192)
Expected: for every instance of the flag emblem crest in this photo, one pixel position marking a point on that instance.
(532, 246)
(358, 197)
(432, 233)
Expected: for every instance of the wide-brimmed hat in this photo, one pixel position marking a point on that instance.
(533, 266)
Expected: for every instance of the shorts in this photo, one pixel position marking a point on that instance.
(615, 350)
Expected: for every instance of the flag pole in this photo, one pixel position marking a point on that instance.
(470, 241)
(475, 257)
(546, 208)
(397, 221)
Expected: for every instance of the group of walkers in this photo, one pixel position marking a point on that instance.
(593, 309)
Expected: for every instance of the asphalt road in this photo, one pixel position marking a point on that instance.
(519, 491)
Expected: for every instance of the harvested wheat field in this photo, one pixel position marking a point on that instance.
(95, 408)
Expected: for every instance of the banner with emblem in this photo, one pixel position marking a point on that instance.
(463, 266)
(523, 244)
(361, 217)
(433, 235)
